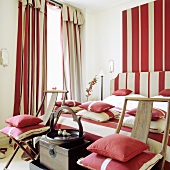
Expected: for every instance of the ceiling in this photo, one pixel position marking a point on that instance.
(100, 5)
(95, 5)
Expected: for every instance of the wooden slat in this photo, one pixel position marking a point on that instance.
(142, 121)
(122, 117)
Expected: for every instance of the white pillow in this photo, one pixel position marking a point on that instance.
(115, 100)
(101, 117)
(155, 126)
(118, 101)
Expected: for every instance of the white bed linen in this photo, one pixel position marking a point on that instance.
(118, 101)
(155, 126)
(161, 105)
(105, 131)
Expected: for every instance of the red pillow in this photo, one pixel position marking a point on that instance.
(96, 106)
(165, 92)
(69, 103)
(156, 113)
(118, 146)
(23, 121)
(122, 92)
(143, 160)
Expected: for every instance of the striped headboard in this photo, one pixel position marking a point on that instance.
(145, 83)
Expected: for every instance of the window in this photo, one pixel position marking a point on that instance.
(54, 53)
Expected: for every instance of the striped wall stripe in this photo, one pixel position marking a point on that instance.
(137, 83)
(146, 37)
(130, 78)
(167, 80)
(139, 53)
(163, 35)
(129, 40)
(135, 39)
(149, 85)
(167, 35)
(161, 81)
(122, 81)
(144, 84)
(158, 35)
(151, 36)
(154, 84)
(124, 33)
(116, 83)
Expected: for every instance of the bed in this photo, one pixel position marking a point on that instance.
(144, 84)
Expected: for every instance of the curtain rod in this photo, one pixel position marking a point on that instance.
(56, 2)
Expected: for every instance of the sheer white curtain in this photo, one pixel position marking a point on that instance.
(72, 21)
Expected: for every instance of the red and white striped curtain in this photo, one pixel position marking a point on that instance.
(72, 21)
(146, 37)
(31, 55)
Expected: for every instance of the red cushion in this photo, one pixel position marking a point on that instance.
(69, 103)
(23, 120)
(118, 146)
(96, 106)
(96, 161)
(22, 133)
(156, 113)
(122, 92)
(165, 92)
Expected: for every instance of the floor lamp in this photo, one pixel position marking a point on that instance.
(101, 75)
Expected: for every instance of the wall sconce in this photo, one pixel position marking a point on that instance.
(4, 57)
(111, 66)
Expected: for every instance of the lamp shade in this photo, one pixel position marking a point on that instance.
(101, 73)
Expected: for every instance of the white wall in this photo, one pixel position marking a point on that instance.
(88, 52)
(8, 29)
(103, 42)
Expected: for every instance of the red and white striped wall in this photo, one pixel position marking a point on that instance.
(146, 37)
(148, 84)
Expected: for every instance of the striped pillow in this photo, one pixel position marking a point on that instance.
(100, 117)
(143, 161)
(96, 106)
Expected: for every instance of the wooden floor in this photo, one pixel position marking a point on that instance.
(17, 163)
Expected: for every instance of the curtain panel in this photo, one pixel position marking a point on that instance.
(31, 57)
(72, 21)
